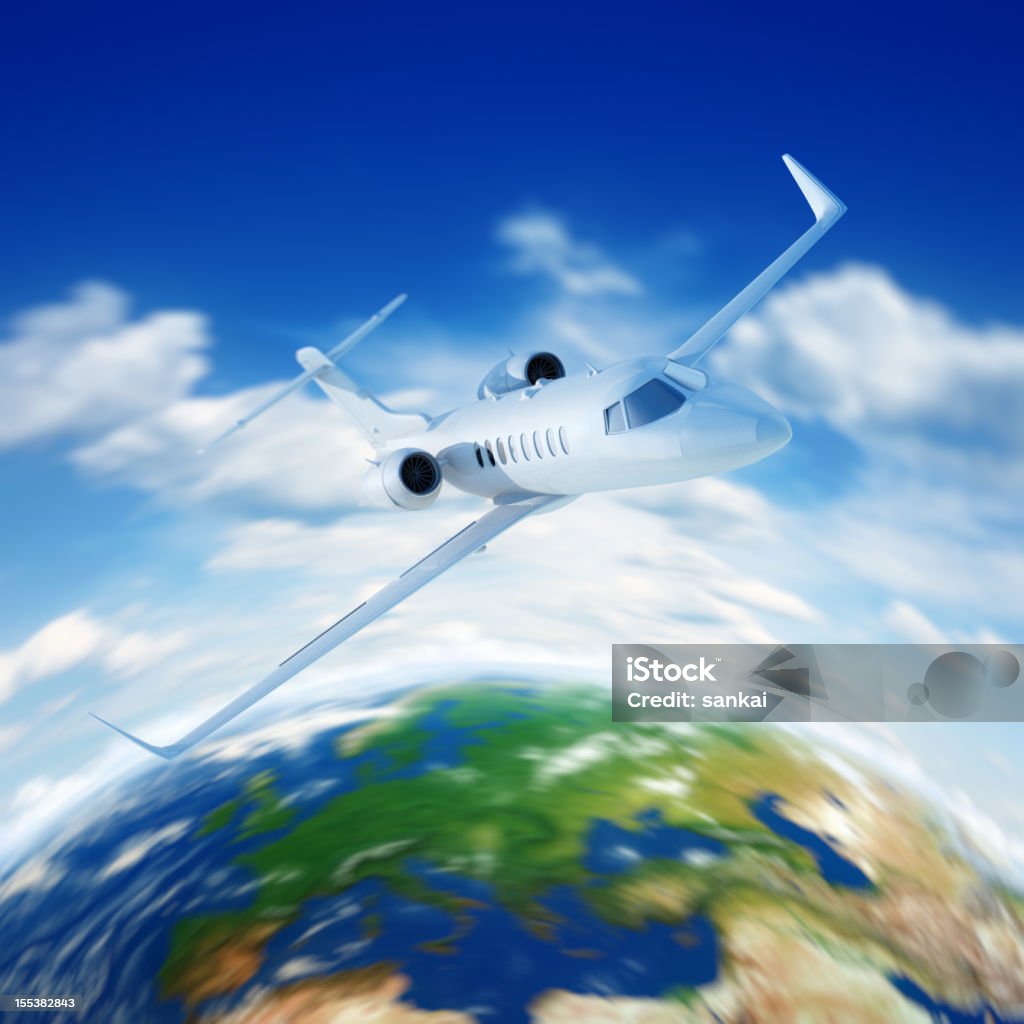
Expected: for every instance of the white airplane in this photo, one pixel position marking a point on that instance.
(536, 439)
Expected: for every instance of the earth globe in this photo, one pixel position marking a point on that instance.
(501, 852)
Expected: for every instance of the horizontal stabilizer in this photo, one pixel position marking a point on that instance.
(371, 325)
(315, 364)
(292, 385)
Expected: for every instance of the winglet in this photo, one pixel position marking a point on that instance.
(167, 753)
(824, 204)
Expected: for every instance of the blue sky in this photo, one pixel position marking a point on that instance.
(276, 169)
(189, 195)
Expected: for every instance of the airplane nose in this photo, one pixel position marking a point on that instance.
(729, 428)
(773, 430)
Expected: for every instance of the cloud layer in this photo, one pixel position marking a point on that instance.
(917, 538)
(76, 366)
(301, 455)
(78, 638)
(541, 244)
(895, 373)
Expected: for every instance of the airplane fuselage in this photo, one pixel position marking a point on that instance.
(601, 431)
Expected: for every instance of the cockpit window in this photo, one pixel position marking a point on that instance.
(614, 419)
(652, 401)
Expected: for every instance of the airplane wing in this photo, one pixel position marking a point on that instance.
(452, 551)
(827, 210)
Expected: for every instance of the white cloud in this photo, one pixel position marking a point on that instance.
(126, 388)
(542, 244)
(60, 805)
(636, 573)
(295, 733)
(912, 625)
(855, 349)
(74, 639)
(128, 654)
(11, 734)
(302, 454)
(80, 365)
(56, 647)
(93, 308)
(934, 408)
(139, 847)
(645, 575)
(349, 545)
(37, 874)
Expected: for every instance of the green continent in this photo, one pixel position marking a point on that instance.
(537, 768)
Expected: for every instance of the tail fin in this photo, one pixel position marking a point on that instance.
(373, 417)
(379, 423)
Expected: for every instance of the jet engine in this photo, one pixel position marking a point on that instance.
(408, 478)
(521, 371)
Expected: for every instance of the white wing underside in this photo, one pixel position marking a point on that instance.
(827, 210)
(452, 551)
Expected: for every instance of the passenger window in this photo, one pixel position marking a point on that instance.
(537, 445)
(503, 458)
(614, 419)
(525, 446)
(563, 440)
(654, 401)
(549, 436)
(513, 455)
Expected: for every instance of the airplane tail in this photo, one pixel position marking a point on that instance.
(379, 423)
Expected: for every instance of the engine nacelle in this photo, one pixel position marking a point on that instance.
(521, 371)
(408, 478)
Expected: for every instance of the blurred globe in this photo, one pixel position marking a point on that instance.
(503, 853)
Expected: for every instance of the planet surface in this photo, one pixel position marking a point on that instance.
(503, 853)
